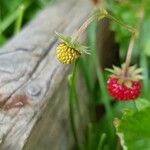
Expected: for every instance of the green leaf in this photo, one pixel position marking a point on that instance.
(142, 103)
(134, 130)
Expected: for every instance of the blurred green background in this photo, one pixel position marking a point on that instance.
(14, 14)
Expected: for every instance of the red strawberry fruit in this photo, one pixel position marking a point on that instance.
(124, 86)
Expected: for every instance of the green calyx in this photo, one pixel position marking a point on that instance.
(70, 42)
(133, 74)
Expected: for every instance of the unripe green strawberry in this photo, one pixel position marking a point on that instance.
(66, 54)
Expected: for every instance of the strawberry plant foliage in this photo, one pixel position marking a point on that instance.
(142, 103)
(134, 131)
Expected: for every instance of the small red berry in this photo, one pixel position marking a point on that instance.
(120, 91)
(124, 86)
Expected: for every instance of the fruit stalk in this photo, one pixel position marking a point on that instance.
(98, 14)
(76, 35)
(132, 41)
(127, 27)
(129, 54)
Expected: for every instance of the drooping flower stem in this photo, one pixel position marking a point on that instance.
(76, 35)
(132, 41)
(97, 15)
(127, 27)
(133, 36)
(129, 54)
(72, 102)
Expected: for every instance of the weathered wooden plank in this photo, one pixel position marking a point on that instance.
(31, 80)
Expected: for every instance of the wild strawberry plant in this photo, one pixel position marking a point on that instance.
(124, 123)
(130, 21)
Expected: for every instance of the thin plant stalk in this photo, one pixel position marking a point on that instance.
(131, 44)
(129, 54)
(102, 87)
(132, 41)
(82, 28)
(72, 78)
(98, 16)
(105, 98)
(127, 27)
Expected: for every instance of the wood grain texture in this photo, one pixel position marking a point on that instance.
(33, 84)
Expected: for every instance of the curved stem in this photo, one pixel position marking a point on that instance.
(82, 28)
(130, 29)
(132, 40)
(97, 15)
